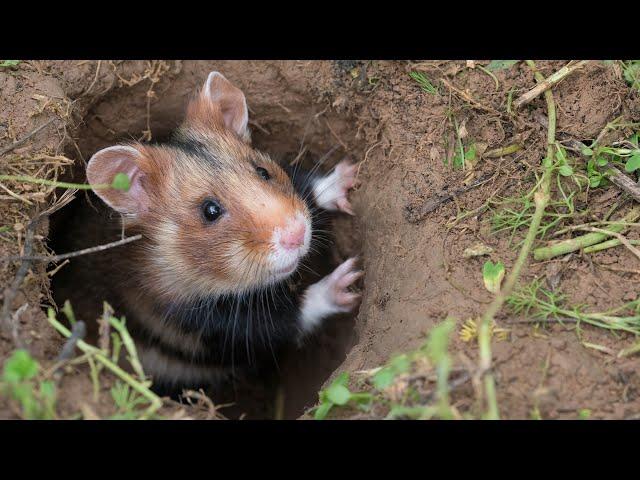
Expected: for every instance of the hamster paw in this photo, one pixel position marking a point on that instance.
(331, 191)
(331, 295)
(338, 283)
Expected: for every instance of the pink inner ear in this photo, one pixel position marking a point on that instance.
(104, 166)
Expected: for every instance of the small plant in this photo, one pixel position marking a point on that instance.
(338, 393)
(391, 386)
(492, 275)
(424, 83)
(631, 72)
(9, 63)
(501, 64)
(625, 155)
(37, 398)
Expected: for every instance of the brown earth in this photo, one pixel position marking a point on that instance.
(416, 275)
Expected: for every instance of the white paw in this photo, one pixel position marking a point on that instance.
(331, 295)
(331, 191)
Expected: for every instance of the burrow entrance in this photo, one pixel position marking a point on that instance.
(288, 126)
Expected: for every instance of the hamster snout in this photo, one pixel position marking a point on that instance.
(290, 244)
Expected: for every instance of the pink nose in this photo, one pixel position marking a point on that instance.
(293, 237)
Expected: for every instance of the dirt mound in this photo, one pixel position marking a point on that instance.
(406, 140)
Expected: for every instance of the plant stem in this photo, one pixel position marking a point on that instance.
(614, 242)
(573, 244)
(541, 199)
(98, 354)
(53, 183)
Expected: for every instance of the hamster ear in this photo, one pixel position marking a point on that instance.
(103, 167)
(230, 101)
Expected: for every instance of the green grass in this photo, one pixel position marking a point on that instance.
(536, 302)
(25, 383)
(424, 82)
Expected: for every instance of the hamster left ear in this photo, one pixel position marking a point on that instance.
(102, 169)
(229, 100)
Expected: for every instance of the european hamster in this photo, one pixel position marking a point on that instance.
(224, 228)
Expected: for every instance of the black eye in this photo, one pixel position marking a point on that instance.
(263, 173)
(211, 210)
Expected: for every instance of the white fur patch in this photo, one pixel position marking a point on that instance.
(327, 189)
(317, 305)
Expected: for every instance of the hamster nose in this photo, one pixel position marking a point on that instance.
(293, 237)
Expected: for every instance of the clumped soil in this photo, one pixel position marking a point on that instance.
(416, 274)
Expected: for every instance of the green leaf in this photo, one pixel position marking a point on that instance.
(565, 171)
(438, 342)
(492, 275)
(633, 163)
(121, 182)
(586, 151)
(338, 394)
(501, 64)
(20, 366)
(594, 181)
(397, 366)
(9, 63)
(602, 161)
(584, 414)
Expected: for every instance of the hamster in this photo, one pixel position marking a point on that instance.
(206, 290)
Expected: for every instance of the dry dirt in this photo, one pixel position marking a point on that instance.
(416, 275)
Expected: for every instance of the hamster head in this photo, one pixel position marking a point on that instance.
(217, 216)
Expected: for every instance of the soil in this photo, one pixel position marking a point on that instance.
(416, 274)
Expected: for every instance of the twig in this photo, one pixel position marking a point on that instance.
(17, 143)
(469, 98)
(11, 292)
(414, 215)
(77, 253)
(78, 332)
(548, 83)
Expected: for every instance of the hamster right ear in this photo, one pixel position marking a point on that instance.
(229, 100)
(103, 167)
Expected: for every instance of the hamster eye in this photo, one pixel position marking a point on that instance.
(263, 173)
(211, 210)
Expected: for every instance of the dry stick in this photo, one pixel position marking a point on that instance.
(541, 199)
(17, 143)
(77, 253)
(470, 99)
(418, 214)
(548, 83)
(12, 291)
(573, 244)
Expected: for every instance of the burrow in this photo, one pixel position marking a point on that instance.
(285, 122)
